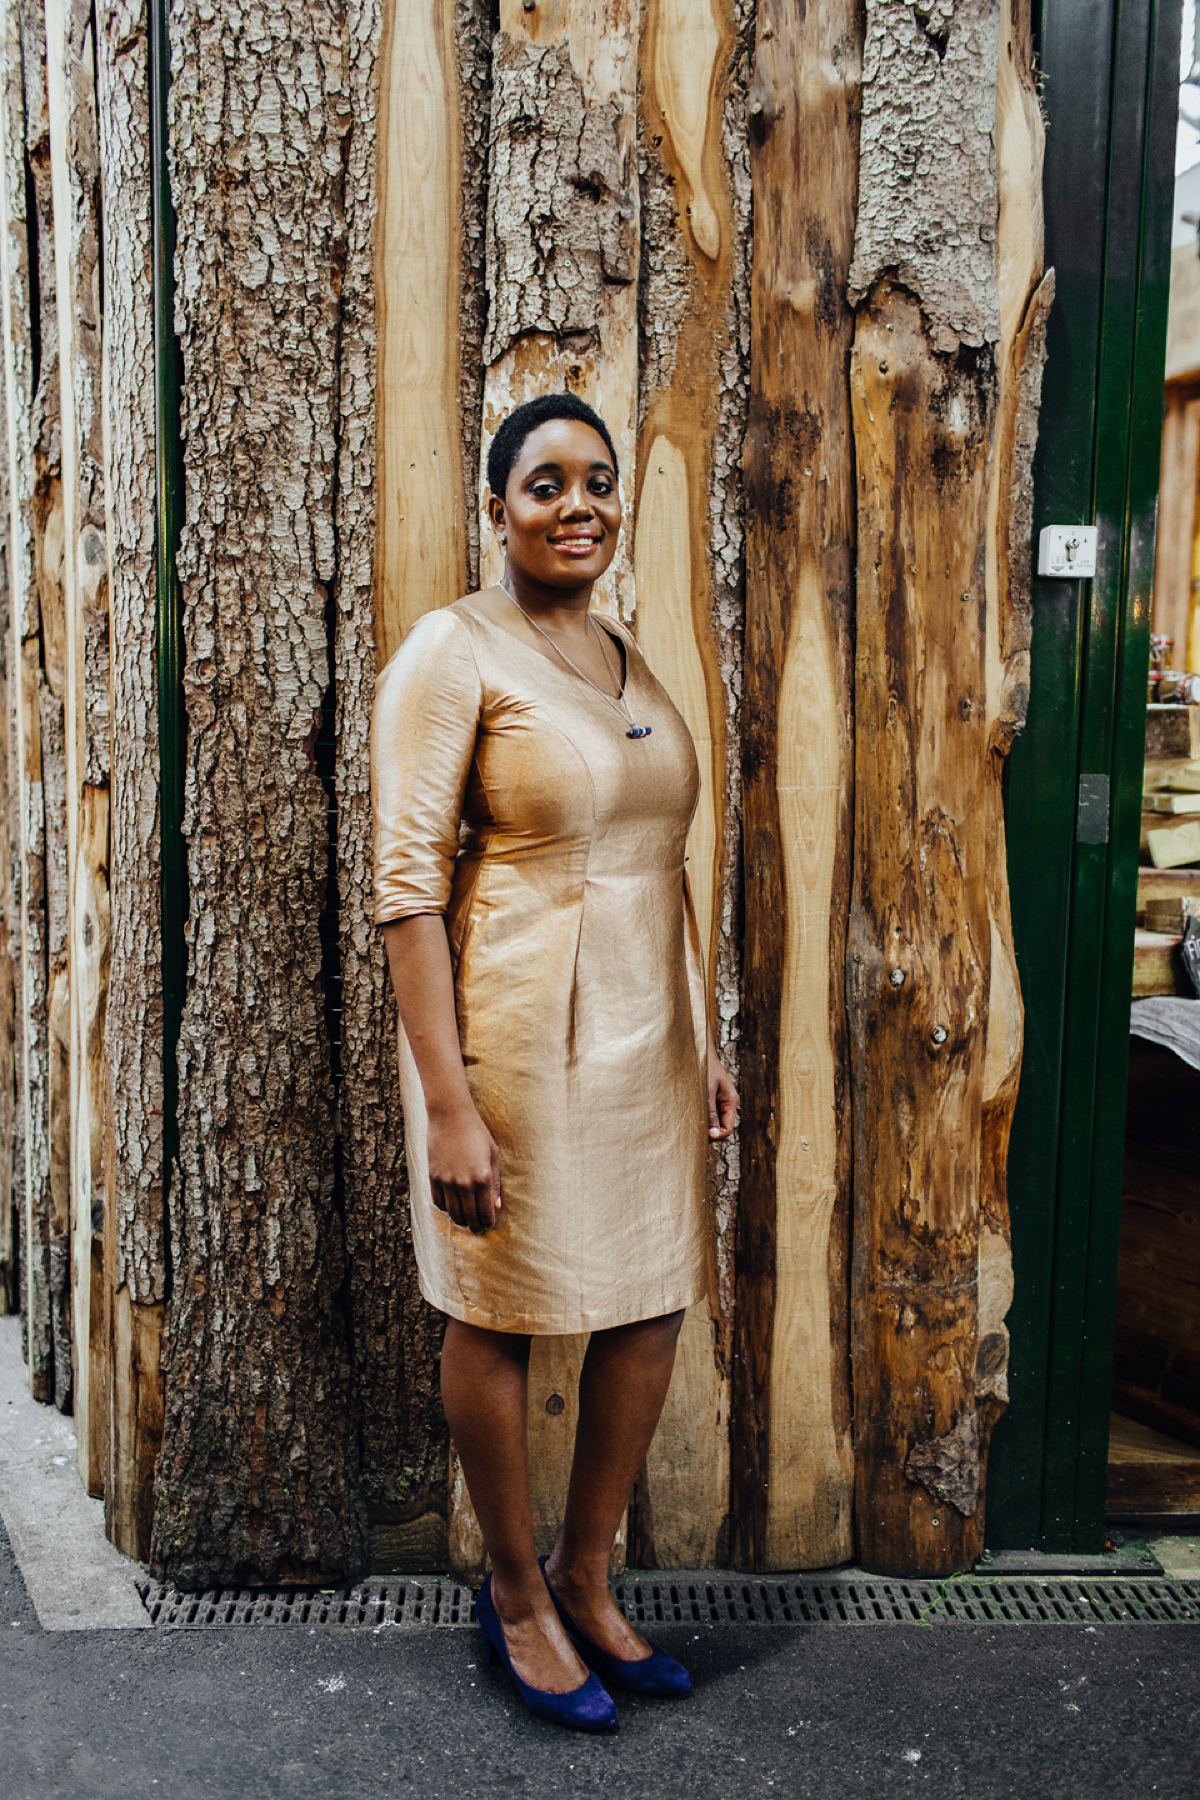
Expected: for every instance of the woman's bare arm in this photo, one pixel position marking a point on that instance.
(464, 1165)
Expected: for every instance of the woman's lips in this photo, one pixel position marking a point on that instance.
(575, 546)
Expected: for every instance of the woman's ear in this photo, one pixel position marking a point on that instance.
(495, 513)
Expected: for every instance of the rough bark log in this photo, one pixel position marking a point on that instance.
(791, 1426)
(134, 1236)
(917, 973)
(424, 240)
(924, 384)
(74, 156)
(946, 385)
(258, 1476)
(694, 331)
(562, 233)
(22, 371)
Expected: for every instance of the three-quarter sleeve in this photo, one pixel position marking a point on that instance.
(423, 730)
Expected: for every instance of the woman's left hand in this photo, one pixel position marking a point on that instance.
(723, 1102)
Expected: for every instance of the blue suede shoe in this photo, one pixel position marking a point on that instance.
(657, 1674)
(586, 1708)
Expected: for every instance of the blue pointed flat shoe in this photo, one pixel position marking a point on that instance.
(586, 1708)
(657, 1674)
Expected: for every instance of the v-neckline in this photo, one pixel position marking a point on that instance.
(563, 668)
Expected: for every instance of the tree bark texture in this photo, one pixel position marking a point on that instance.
(50, 674)
(134, 1251)
(693, 367)
(562, 171)
(258, 1476)
(23, 371)
(927, 381)
(791, 1423)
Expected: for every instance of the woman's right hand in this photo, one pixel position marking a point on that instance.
(464, 1166)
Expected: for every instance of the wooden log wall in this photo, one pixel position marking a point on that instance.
(134, 1246)
(792, 1413)
(404, 217)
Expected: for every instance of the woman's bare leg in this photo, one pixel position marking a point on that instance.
(626, 1374)
(485, 1380)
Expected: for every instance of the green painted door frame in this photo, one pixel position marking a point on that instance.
(1111, 70)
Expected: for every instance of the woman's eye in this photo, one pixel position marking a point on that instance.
(543, 490)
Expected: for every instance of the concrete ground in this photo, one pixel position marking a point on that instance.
(1039, 1712)
(93, 1710)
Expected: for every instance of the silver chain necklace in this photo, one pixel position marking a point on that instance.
(620, 706)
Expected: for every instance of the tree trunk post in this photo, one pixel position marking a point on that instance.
(693, 355)
(791, 1421)
(258, 1476)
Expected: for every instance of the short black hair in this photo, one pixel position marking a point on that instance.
(505, 447)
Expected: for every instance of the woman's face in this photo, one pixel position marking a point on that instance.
(560, 515)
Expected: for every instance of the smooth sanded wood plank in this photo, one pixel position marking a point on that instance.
(791, 1423)
(74, 156)
(693, 386)
(400, 357)
(1024, 305)
(422, 519)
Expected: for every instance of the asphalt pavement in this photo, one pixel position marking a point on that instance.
(1043, 1712)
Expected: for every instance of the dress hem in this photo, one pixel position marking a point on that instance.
(520, 1325)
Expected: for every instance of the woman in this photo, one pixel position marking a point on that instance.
(533, 787)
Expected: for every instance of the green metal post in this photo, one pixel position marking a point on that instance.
(1111, 72)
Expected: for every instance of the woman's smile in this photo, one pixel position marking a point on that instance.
(578, 544)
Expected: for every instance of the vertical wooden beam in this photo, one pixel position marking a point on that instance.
(21, 376)
(74, 162)
(1024, 297)
(428, 250)
(48, 669)
(924, 388)
(692, 405)
(791, 1425)
(1178, 512)
(564, 79)
(134, 1238)
(10, 1146)
(414, 210)
(258, 1475)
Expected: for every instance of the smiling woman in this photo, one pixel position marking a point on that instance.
(533, 789)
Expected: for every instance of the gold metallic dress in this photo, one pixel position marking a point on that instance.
(509, 799)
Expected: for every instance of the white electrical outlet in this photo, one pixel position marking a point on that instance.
(1067, 552)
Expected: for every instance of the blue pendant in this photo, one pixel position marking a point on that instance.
(639, 731)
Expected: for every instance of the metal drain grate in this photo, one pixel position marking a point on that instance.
(371, 1603)
(710, 1599)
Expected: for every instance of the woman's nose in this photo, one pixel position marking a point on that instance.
(575, 501)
